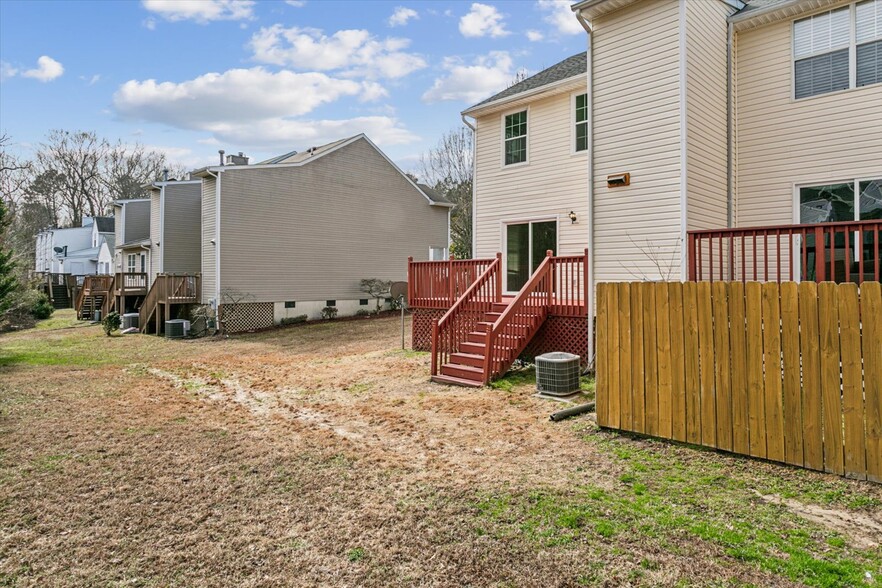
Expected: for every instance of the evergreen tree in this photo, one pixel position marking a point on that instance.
(8, 281)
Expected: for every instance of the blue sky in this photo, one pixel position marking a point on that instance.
(189, 77)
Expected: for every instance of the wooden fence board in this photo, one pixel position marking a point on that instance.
(706, 365)
(793, 453)
(738, 348)
(613, 407)
(809, 346)
(871, 319)
(831, 378)
(774, 403)
(663, 342)
(690, 341)
(625, 374)
(650, 354)
(678, 364)
(638, 402)
(755, 389)
(722, 365)
(852, 381)
(788, 372)
(602, 390)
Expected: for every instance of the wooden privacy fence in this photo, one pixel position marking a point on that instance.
(787, 372)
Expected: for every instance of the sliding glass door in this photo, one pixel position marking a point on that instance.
(525, 247)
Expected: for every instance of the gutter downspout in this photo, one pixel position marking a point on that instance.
(589, 295)
(217, 211)
(730, 72)
(474, 180)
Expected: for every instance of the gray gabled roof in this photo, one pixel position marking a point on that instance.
(434, 195)
(570, 67)
(295, 157)
(104, 224)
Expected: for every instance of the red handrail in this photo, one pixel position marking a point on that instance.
(438, 284)
(840, 251)
(523, 315)
(451, 330)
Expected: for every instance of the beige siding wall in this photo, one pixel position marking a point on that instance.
(637, 130)
(783, 142)
(155, 234)
(706, 133)
(312, 232)
(554, 182)
(182, 243)
(137, 222)
(209, 250)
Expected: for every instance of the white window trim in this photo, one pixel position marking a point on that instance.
(502, 136)
(573, 123)
(503, 226)
(852, 53)
(444, 253)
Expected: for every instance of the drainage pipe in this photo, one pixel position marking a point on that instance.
(567, 413)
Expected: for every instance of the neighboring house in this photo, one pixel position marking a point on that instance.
(106, 255)
(52, 245)
(175, 228)
(296, 233)
(689, 120)
(132, 253)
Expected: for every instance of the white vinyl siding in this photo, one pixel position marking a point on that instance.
(707, 150)
(156, 244)
(554, 183)
(782, 142)
(637, 130)
(209, 249)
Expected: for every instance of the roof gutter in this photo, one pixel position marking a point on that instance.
(589, 295)
(476, 110)
(465, 121)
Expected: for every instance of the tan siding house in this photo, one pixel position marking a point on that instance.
(304, 230)
(696, 101)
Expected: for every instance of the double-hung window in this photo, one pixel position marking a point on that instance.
(838, 49)
(131, 260)
(581, 134)
(515, 137)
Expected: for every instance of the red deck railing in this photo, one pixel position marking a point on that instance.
(465, 313)
(839, 252)
(438, 284)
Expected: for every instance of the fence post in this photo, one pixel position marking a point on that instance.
(820, 249)
(690, 258)
(499, 276)
(450, 281)
(434, 347)
(586, 284)
(410, 280)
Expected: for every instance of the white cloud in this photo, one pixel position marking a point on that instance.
(201, 11)
(472, 82)
(401, 15)
(296, 3)
(534, 36)
(6, 70)
(149, 23)
(560, 16)
(256, 109)
(91, 80)
(352, 52)
(245, 94)
(482, 20)
(47, 70)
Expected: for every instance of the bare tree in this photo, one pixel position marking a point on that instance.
(448, 169)
(76, 158)
(127, 169)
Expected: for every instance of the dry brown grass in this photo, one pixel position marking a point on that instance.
(321, 455)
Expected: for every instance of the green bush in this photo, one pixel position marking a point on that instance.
(41, 308)
(111, 323)
(362, 312)
(329, 312)
(295, 320)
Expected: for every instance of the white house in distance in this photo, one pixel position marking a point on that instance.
(74, 250)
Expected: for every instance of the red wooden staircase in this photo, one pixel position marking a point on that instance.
(483, 334)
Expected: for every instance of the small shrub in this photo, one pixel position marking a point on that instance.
(362, 312)
(329, 312)
(111, 323)
(41, 308)
(295, 320)
(395, 303)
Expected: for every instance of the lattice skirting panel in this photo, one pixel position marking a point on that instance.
(421, 331)
(247, 317)
(560, 333)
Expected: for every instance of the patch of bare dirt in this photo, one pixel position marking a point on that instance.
(864, 529)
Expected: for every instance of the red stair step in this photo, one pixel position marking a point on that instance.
(471, 359)
(457, 381)
(466, 372)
